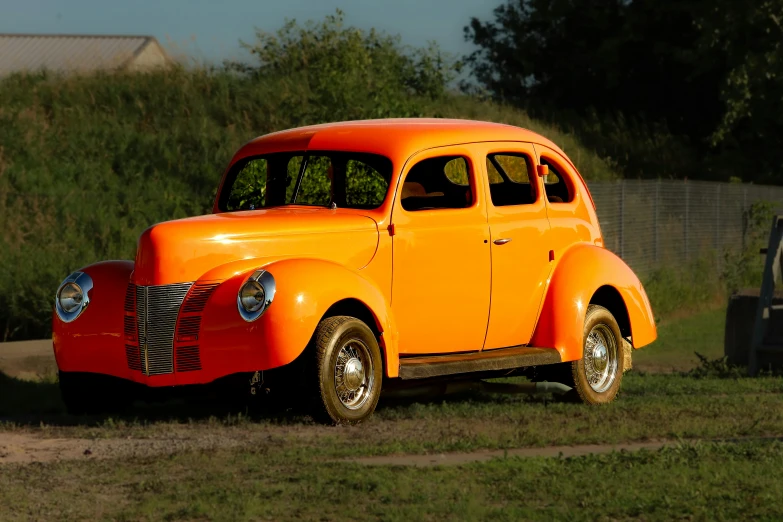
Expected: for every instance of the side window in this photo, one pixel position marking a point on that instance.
(509, 180)
(493, 173)
(442, 182)
(556, 186)
(515, 167)
(457, 171)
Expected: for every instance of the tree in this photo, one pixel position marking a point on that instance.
(640, 66)
(749, 37)
(640, 58)
(343, 73)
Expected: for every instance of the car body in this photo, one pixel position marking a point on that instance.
(462, 247)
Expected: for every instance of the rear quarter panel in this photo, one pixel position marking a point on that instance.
(583, 269)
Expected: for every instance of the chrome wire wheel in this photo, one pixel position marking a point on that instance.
(601, 358)
(354, 376)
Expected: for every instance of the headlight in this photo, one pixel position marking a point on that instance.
(252, 296)
(73, 296)
(255, 295)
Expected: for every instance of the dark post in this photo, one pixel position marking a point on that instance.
(717, 224)
(622, 219)
(763, 311)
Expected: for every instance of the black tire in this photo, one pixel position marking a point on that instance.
(590, 385)
(348, 371)
(85, 394)
(575, 373)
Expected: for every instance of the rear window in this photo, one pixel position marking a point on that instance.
(342, 179)
(556, 186)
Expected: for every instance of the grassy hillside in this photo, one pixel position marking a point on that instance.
(87, 163)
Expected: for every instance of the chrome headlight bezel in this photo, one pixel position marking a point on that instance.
(84, 283)
(267, 283)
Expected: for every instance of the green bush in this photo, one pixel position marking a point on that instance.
(88, 162)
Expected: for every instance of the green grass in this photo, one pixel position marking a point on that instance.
(693, 482)
(663, 406)
(213, 464)
(680, 339)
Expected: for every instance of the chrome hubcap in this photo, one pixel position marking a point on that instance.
(353, 374)
(601, 359)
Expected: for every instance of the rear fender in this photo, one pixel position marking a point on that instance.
(305, 290)
(582, 270)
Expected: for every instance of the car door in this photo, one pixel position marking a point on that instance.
(519, 231)
(441, 258)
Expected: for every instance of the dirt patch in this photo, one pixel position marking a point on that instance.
(24, 448)
(28, 359)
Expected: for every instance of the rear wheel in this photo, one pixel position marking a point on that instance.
(596, 377)
(348, 370)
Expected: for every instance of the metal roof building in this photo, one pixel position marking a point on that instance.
(79, 53)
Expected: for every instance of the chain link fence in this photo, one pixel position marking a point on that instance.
(650, 223)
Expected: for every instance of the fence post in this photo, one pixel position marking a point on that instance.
(717, 225)
(687, 205)
(657, 205)
(622, 219)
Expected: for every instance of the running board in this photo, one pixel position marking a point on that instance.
(423, 367)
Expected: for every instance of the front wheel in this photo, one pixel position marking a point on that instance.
(349, 371)
(596, 377)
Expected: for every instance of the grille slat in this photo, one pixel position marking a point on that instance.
(130, 298)
(157, 308)
(129, 328)
(133, 356)
(189, 326)
(198, 298)
(188, 359)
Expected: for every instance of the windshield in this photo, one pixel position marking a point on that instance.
(323, 178)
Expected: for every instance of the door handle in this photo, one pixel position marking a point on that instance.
(502, 241)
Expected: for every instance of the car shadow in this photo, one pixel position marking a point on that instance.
(35, 403)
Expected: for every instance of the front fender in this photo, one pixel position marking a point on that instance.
(306, 289)
(582, 270)
(94, 341)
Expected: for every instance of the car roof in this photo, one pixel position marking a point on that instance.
(396, 138)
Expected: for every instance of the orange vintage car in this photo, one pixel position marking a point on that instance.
(342, 257)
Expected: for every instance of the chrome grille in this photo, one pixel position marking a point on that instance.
(157, 308)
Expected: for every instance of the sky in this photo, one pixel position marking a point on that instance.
(210, 30)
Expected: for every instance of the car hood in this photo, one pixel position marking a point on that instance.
(183, 250)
